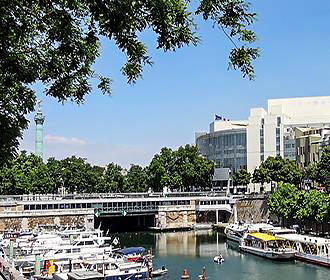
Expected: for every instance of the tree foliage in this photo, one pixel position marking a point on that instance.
(241, 177)
(183, 169)
(25, 174)
(323, 169)
(57, 42)
(293, 204)
(261, 175)
(136, 179)
(277, 169)
(310, 172)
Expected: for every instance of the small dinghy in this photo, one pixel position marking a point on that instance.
(218, 259)
(159, 272)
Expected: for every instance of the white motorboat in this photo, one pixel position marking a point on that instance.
(218, 259)
(159, 272)
(119, 271)
(235, 232)
(267, 246)
(81, 248)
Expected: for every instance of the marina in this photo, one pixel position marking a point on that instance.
(173, 255)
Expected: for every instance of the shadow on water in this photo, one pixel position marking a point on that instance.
(194, 250)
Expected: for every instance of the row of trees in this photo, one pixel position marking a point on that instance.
(273, 169)
(293, 204)
(182, 169)
(277, 169)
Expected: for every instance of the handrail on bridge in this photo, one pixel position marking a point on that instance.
(47, 197)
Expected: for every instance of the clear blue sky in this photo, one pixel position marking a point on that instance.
(180, 94)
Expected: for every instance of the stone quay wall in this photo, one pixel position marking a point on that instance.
(252, 210)
(173, 218)
(14, 218)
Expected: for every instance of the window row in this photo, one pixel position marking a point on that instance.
(104, 205)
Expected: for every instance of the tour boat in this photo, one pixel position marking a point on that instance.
(309, 248)
(267, 246)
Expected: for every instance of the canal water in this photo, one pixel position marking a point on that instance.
(194, 250)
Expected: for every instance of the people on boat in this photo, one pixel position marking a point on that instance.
(203, 276)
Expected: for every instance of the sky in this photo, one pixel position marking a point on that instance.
(180, 94)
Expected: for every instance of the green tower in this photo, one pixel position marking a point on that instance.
(39, 119)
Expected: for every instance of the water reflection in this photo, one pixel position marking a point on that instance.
(193, 250)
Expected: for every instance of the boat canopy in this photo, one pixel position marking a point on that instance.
(132, 250)
(306, 239)
(264, 236)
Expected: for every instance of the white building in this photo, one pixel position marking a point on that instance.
(266, 132)
(269, 131)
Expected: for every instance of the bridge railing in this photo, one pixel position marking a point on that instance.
(47, 197)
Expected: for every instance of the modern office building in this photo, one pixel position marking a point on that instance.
(309, 143)
(271, 132)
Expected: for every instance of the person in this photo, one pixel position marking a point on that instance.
(163, 267)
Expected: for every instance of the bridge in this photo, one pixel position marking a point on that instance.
(153, 210)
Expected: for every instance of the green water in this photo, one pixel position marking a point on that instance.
(193, 250)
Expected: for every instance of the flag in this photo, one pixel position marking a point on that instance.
(218, 118)
(115, 241)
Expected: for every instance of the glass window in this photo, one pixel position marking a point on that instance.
(55, 206)
(44, 206)
(50, 206)
(38, 206)
(278, 121)
(26, 207)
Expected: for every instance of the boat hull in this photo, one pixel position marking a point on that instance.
(131, 276)
(273, 255)
(158, 273)
(313, 259)
(233, 238)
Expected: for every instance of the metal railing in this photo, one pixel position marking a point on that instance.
(48, 197)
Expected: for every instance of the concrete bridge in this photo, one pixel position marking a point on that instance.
(115, 211)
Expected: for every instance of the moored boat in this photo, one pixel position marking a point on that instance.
(159, 272)
(267, 246)
(310, 249)
(235, 232)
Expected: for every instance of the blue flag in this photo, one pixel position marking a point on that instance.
(218, 118)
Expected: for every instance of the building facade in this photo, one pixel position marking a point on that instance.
(270, 132)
